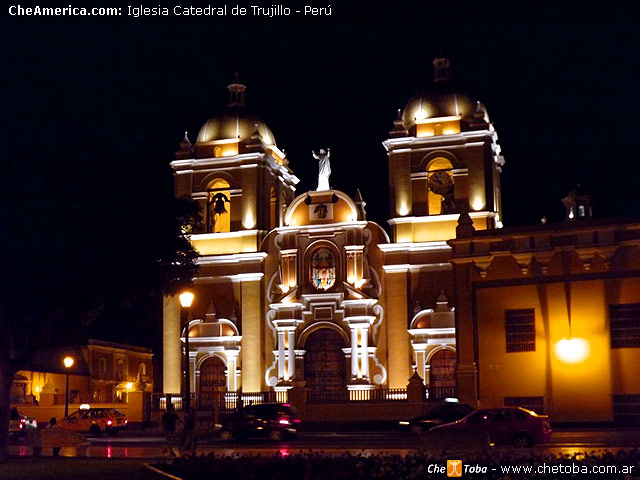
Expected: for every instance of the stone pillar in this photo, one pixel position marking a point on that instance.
(135, 401)
(364, 352)
(280, 354)
(466, 368)
(354, 352)
(252, 325)
(398, 341)
(232, 361)
(171, 345)
(298, 397)
(292, 354)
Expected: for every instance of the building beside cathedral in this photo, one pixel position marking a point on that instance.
(299, 289)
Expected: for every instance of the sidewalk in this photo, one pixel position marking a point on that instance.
(61, 468)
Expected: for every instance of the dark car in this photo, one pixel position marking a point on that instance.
(508, 425)
(439, 414)
(274, 421)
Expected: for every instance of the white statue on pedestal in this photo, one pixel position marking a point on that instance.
(324, 169)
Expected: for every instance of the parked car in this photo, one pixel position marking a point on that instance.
(95, 421)
(274, 421)
(19, 423)
(438, 414)
(508, 425)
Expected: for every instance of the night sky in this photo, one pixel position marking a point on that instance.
(98, 107)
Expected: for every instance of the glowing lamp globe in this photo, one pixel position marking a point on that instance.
(68, 362)
(572, 350)
(186, 299)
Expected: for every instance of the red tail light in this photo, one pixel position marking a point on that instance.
(296, 420)
(284, 421)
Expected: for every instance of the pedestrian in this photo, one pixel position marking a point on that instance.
(169, 422)
(34, 438)
(189, 433)
(53, 425)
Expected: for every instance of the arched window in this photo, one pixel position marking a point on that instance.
(323, 269)
(120, 370)
(273, 208)
(440, 197)
(218, 206)
(102, 367)
(142, 369)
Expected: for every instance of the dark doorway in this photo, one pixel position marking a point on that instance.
(213, 383)
(443, 374)
(324, 366)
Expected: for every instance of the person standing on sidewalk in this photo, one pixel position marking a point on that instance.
(169, 422)
(189, 433)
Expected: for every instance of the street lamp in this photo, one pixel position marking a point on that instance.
(186, 299)
(68, 363)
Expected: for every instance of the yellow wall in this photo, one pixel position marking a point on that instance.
(171, 346)
(435, 228)
(226, 243)
(398, 338)
(251, 352)
(542, 373)
(625, 362)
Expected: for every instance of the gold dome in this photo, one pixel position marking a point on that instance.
(433, 104)
(234, 123)
(441, 100)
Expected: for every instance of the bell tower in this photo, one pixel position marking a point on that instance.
(444, 158)
(238, 175)
(242, 182)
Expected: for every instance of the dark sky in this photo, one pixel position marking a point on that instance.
(98, 106)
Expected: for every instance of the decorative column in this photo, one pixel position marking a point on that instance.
(355, 266)
(364, 350)
(232, 370)
(286, 353)
(291, 356)
(354, 356)
(288, 268)
(281, 333)
(359, 327)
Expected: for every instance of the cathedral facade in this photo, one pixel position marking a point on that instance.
(299, 289)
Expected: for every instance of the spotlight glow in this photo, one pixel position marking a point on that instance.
(572, 350)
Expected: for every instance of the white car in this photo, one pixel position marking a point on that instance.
(19, 423)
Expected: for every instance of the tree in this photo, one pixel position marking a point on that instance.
(67, 250)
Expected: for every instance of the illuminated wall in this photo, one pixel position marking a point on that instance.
(541, 373)
(566, 278)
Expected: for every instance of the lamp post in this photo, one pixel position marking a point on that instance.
(186, 299)
(68, 363)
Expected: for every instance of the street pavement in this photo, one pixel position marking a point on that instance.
(132, 455)
(151, 445)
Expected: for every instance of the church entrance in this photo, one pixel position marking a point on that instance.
(325, 367)
(443, 374)
(213, 383)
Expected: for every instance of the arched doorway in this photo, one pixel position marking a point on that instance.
(442, 374)
(213, 383)
(324, 366)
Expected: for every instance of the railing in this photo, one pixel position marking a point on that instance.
(210, 401)
(229, 402)
(345, 396)
(440, 393)
(60, 398)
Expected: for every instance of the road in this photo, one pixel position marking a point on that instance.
(153, 444)
(565, 441)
